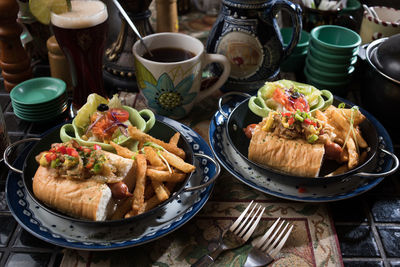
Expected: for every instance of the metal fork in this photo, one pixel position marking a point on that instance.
(239, 232)
(268, 246)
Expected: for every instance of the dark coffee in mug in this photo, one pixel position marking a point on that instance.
(169, 54)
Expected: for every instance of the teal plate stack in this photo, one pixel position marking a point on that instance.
(39, 99)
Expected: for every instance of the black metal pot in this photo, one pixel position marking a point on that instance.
(380, 93)
(241, 116)
(160, 130)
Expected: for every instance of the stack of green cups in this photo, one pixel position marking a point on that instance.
(331, 56)
(296, 60)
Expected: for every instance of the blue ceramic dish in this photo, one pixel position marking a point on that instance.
(287, 188)
(67, 232)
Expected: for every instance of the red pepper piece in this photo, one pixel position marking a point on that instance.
(72, 152)
(50, 157)
(61, 149)
(307, 121)
(97, 147)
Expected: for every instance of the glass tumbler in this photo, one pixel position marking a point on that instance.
(82, 35)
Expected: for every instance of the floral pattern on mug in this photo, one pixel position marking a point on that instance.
(168, 99)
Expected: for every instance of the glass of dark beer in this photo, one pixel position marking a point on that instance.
(81, 34)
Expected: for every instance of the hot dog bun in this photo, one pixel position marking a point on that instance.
(295, 157)
(125, 168)
(87, 199)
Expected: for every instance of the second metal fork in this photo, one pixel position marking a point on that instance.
(239, 232)
(268, 246)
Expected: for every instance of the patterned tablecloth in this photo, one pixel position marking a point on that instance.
(313, 242)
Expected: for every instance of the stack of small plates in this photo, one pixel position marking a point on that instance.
(39, 99)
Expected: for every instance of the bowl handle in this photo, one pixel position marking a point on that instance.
(149, 118)
(226, 115)
(258, 107)
(383, 174)
(8, 150)
(64, 136)
(329, 99)
(212, 179)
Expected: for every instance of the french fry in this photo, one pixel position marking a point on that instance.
(177, 162)
(138, 193)
(358, 117)
(130, 214)
(152, 157)
(340, 170)
(136, 134)
(123, 151)
(161, 192)
(151, 203)
(175, 139)
(165, 176)
(344, 156)
(360, 140)
(140, 145)
(154, 201)
(321, 116)
(159, 168)
(342, 127)
(339, 121)
(353, 155)
(123, 208)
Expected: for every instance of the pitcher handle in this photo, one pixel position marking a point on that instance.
(295, 12)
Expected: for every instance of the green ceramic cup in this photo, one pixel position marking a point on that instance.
(301, 46)
(329, 76)
(331, 58)
(337, 88)
(323, 49)
(335, 39)
(329, 67)
(294, 63)
(352, 6)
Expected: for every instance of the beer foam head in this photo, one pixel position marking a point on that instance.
(83, 14)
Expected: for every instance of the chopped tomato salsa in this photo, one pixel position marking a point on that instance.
(291, 101)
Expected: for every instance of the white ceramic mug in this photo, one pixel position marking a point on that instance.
(387, 24)
(171, 89)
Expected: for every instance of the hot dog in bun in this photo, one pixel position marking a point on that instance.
(83, 182)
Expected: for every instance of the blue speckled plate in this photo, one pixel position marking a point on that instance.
(66, 233)
(240, 168)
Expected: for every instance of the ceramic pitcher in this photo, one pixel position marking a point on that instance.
(247, 33)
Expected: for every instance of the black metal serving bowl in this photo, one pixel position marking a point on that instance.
(241, 116)
(160, 130)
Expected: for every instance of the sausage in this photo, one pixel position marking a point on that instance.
(249, 130)
(119, 190)
(332, 150)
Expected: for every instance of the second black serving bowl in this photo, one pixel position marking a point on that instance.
(241, 116)
(160, 130)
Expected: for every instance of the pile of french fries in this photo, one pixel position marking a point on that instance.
(157, 172)
(342, 119)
